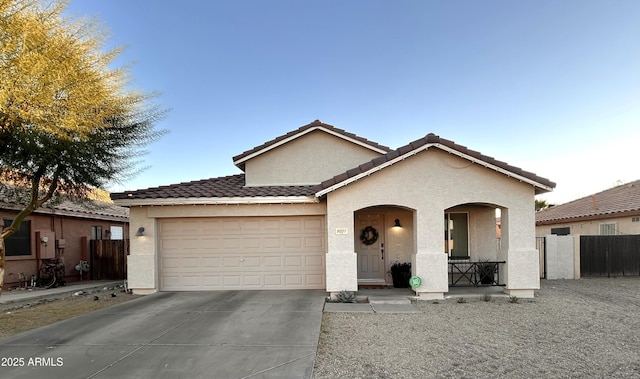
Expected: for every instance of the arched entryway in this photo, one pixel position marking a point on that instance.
(383, 235)
(472, 243)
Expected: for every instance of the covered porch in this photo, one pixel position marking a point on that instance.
(446, 204)
(473, 250)
(384, 240)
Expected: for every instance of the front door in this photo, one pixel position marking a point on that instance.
(369, 244)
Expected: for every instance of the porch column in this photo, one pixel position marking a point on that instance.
(142, 265)
(341, 260)
(522, 270)
(430, 262)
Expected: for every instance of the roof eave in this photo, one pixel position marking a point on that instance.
(70, 213)
(592, 217)
(217, 201)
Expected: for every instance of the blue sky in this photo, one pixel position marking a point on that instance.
(549, 86)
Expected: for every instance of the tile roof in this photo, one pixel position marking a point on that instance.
(94, 209)
(623, 199)
(431, 139)
(222, 187)
(238, 160)
(89, 209)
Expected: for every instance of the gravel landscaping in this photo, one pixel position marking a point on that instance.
(588, 328)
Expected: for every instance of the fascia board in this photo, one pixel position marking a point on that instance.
(218, 200)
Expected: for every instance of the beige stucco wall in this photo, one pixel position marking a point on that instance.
(624, 225)
(142, 264)
(431, 182)
(309, 159)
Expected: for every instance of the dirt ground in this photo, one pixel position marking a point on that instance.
(16, 318)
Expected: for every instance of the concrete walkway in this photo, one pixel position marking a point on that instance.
(402, 300)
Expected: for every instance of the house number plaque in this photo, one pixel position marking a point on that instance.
(342, 231)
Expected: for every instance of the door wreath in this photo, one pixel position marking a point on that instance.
(369, 235)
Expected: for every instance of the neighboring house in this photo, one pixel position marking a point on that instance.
(593, 235)
(298, 215)
(615, 211)
(61, 231)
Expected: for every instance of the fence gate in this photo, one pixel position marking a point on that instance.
(610, 255)
(108, 259)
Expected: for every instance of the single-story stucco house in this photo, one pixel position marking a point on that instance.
(58, 231)
(568, 228)
(321, 208)
(614, 211)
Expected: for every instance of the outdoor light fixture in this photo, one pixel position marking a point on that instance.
(397, 225)
(140, 231)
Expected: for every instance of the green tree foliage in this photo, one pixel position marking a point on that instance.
(542, 204)
(68, 122)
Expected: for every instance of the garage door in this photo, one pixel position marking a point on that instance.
(242, 253)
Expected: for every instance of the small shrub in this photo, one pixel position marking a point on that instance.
(514, 299)
(486, 297)
(462, 300)
(346, 297)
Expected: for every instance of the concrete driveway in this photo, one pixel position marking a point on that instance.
(226, 334)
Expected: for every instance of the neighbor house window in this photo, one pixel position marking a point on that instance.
(607, 229)
(96, 232)
(561, 231)
(19, 243)
(116, 232)
(635, 219)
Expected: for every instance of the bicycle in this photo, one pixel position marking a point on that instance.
(51, 273)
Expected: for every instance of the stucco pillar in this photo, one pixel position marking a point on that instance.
(430, 262)
(341, 260)
(522, 270)
(142, 266)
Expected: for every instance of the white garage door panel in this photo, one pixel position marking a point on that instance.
(242, 253)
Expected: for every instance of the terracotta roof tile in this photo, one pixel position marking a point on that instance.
(314, 124)
(609, 203)
(86, 209)
(431, 139)
(226, 186)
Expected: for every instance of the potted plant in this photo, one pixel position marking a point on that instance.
(486, 271)
(401, 273)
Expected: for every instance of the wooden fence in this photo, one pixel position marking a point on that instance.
(108, 259)
(610, 255)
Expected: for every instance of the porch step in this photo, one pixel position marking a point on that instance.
(371, 284)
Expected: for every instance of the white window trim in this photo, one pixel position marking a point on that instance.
(608, 226)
